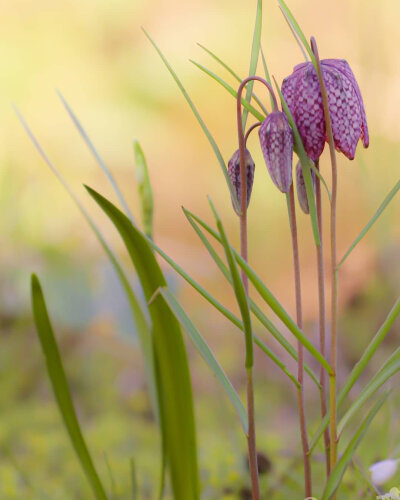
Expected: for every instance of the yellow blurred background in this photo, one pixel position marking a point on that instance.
(95, 53)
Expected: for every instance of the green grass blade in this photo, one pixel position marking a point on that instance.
(60, 387)
(370, 351)
(294, 24)
(134, 484)
(231, 90)
(174, 384)
(267, 77)
(145, 190)
(306, 168)
(206, 354)
(338, 471)
(234, 74)
(296, 37)
(270, 299)
(138, 315)
(239, 290)
(96, 154)
(255, 50)
(113, 484)
(380, 210)
(234, 319)
(208, 134)
(264, 320)
(390, 368)
(360, 367)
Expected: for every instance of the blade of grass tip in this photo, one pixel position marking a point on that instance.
(238, 287)
(234, 74)
(255, 50)
(294, 24)
(133, 479)
(264, 320)
(145, 190)
(338, 471)
(375, 217)
(206, 353)
(359, 367)
(270, 299)
(230, 89)
(60, 387)
(139, 317)
(112, 478)
(208, 134)
(305, 165)
(96, 154)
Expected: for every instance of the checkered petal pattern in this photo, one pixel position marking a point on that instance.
(276, 138)
(234, 174)
(302, 93)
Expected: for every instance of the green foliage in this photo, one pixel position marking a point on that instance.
(60, 387)
(173, 377)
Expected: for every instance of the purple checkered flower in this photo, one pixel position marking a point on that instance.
(302, 94)
(234, 174)
(301, 188)
(276, 138)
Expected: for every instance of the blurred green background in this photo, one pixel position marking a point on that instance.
(95, 53)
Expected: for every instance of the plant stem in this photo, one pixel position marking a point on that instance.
(322, 313)
(334, 284)
(300, 362)
(251, 437)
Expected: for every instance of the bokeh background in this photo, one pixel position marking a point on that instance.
(95, 53)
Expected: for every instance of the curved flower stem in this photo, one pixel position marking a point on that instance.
(251, 438)
(322, 314)
(300, 363)
(250, 130)
(334, 282)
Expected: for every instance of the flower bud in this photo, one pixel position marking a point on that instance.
(234, 174)
(301, 188)
(276, 138)
(383, 471)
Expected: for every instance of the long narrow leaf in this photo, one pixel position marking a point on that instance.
(294, 24)
(255, 50)
(375, 217)
(145, 190)
(208, 134)
(234, 74)
(60, 387)
(360, 366)
(264, 320)
(96, 154)
(138, 315)
(231, 90)
(338, 471)
(305, 166)
(390, 368)
(175, 390)
(238, 288)
(206, 354)
(270, 299)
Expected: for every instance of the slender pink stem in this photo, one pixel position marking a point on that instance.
(334, 284)
(300, 362)
(322, 314)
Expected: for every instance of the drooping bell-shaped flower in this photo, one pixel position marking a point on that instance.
(383, 471)
(301, 188)
(276, 138)
(234, 174)
(302, 94)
